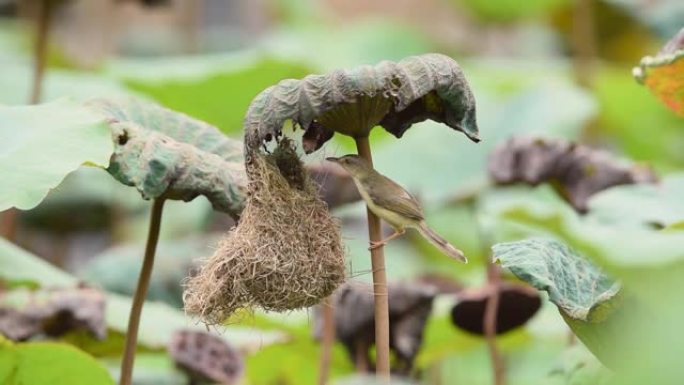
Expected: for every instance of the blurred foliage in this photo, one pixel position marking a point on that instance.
(48, 363)
(622, 233)
(150, 369)
(646, 260)
(174, 260)
(506, 11)
(56, 138)
(220, 96)
(628, 111)
(659, 205)
(158, 321)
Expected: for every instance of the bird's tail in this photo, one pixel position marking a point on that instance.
(441, 243)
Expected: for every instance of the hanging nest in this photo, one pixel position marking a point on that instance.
(285, 253)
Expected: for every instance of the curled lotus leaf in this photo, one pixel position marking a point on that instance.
(590, 302)
(578, 287)
(664, 73)
(352, 102)
(170, 155)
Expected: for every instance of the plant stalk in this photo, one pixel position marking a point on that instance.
(493, 283)
(583, 42)
(327, 339)
(140, 293)
(382, 359)
(40, 49)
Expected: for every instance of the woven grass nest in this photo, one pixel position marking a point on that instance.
(285, 253)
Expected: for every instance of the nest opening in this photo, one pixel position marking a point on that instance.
(285, 253)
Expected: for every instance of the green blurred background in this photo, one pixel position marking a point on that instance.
(558, 68)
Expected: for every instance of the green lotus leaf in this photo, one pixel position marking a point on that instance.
(42, 144)
(166, 154)
(590, 302)
(49, 363)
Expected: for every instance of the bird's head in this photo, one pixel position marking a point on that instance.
(354, 164)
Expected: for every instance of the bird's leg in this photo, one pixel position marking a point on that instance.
(383, 242)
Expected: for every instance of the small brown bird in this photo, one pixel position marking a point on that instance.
(393, 203)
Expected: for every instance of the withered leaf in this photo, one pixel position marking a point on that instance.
(167, 154)
(352, 102)
(664, 73)
(54, 312)
(517, 304)
(575, 171)
(409, 308)
(206, 357)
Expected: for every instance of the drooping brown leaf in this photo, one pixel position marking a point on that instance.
(575, 171)
(664, 73)
(206, 357)
(517, 304)
(409, 308)
(352, 102)
(54, 312)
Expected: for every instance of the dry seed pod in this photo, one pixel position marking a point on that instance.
(576, 171)
(517, 304)
(410, 305)
(285, 253)
(206, 358)
(53, 312)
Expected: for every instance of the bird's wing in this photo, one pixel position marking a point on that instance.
(399, 200)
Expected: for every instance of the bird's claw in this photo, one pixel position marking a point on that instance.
(374, 245)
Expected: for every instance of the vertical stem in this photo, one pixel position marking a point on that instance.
(40, 48)
(583, 41)
(493, 282)
(382, 360)
(361, 349)
(140, 293)
(8, 224)
(492, 306)
(327, 340)
(194, 12)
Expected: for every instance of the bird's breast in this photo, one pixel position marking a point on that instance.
(394, 219)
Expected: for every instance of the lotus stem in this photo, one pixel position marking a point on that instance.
(141, 293)
(40, 54)
(490, 315)
(382, 359)
(583, 42)
(327, 339)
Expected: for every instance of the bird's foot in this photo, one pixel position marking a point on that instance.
(374, 245)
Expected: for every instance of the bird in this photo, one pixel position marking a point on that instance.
(392, 203)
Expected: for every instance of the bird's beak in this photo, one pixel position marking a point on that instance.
(332, 159)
